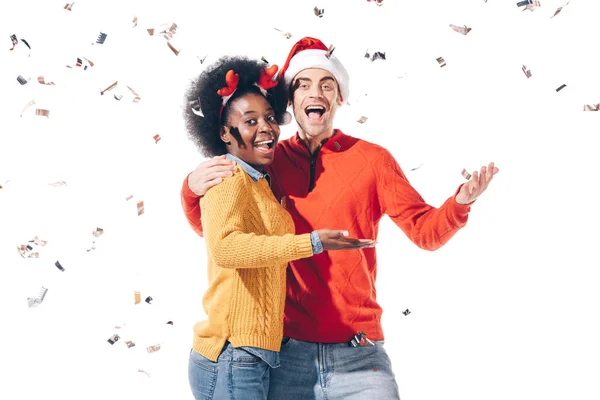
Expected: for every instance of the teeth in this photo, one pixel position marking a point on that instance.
(265, 142)
(314, 108)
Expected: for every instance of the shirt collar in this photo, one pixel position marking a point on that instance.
(254, 174)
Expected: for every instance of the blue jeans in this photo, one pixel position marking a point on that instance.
(338, 371)
(240, 373)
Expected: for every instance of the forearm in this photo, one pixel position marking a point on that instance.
(237, 249)
(190, 202)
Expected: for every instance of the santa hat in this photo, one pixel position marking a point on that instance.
(311, 53)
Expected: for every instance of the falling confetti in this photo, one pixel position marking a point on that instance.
(170, 323)
(591, 107)
(129, 197)
(84, 63)
(57, 264)
(531, 5)
(42, 81)
(362, 120)
(113, 339)
(57, 184)
(140, 207)
(559, 9)
(156, 138)
(153, 348)
(460, 29)
(416, 168)
(149, 299)
(137, 299)
(144, 372)
(36, 301)
(561, 87)
(98, 232)
(101, 38)
(526, 71)
(22, 80)
(465, 174)
(441, 61)
(330, 51)
(129, 344)
(319, 12)
(202, 59)
(286, 34)
(378, 55)
(135, 21)
(406, 312)
(42, 113)
(69, 6)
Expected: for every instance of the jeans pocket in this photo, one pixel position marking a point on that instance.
(202, 374)
(243, 358)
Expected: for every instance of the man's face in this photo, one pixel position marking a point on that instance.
(315, 100)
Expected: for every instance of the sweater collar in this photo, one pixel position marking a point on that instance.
(336, 143)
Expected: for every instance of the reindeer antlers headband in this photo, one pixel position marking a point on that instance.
(265, 82)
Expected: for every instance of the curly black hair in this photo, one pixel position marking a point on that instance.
(202, 92)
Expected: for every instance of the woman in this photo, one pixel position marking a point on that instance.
(235, 108)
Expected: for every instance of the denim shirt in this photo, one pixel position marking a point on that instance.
(317, 246)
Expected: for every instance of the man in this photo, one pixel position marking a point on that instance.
(326, 178)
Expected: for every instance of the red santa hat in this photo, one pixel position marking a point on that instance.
(311, 53)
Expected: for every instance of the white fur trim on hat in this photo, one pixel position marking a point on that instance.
(312, 58)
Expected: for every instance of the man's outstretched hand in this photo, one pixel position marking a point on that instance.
(470, 191)
(209, 173)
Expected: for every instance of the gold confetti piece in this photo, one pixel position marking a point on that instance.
(561, 87)
(559, 9)
(319, 12)
(137, 96)
(137, 297)
(460, 29)
(140, 207)
(362, 120)
(591, 107)
(156, 138)
(173, 48)
(111, 87)
(98, 232)
(153, 348)
(69, 6)
(330, 51)
(43, 113)
(36, 301)
(135, 21)
(441, 61)
(42, 81)
(129, 344)
(465, 174)
(526, 71)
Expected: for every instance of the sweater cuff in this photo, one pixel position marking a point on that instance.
(186, 191)
(315, 240)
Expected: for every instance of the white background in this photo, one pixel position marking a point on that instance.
(506, 310)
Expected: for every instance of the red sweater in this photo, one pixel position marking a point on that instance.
(350, 184)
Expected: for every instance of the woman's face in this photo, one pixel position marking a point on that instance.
(252, 130)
